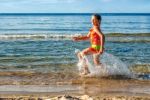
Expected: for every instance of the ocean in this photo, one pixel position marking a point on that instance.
(42, 43)
(30, 23)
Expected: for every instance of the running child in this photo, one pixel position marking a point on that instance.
(97, 40)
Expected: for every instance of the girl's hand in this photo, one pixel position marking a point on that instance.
(75, 38)
(78, 38)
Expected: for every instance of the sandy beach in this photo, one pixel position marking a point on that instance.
(70, 97)
(21, 87)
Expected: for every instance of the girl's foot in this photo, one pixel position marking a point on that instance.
(84, 72)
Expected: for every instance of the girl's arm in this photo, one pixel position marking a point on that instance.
(82, 37)
(102, 39)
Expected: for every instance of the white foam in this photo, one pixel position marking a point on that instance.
(38, 36)
(65, 36)
(111, 65)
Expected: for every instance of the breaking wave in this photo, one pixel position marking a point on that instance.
(118, 37)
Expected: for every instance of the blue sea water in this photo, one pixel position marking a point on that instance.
(72, 23)
(36, 41)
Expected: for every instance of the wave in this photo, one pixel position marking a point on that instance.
(112, 37)
(127, 34)
(37, 36)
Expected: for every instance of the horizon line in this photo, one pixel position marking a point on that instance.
(43, 13)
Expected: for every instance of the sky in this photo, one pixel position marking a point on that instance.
(74, 6)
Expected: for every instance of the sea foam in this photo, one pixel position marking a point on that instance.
(53, 36)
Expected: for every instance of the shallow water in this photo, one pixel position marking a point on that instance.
(51, 55)
(58, 56)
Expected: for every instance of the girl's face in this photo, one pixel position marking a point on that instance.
(94, 21)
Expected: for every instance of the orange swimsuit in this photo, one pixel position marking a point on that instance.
(95, 41)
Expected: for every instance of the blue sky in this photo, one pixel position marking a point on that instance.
(74, 6)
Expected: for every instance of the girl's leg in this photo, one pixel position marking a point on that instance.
(84, 53)
(79, 56)
(96, 59)
(78, 53)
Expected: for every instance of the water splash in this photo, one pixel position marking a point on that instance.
(111, 65)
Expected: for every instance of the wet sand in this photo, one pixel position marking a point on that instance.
(31, 85)
(72, 92)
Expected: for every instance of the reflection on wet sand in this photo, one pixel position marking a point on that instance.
(32, 82)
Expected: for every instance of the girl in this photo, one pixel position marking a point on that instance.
(97, 39)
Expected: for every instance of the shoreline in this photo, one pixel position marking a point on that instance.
(89, 88)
